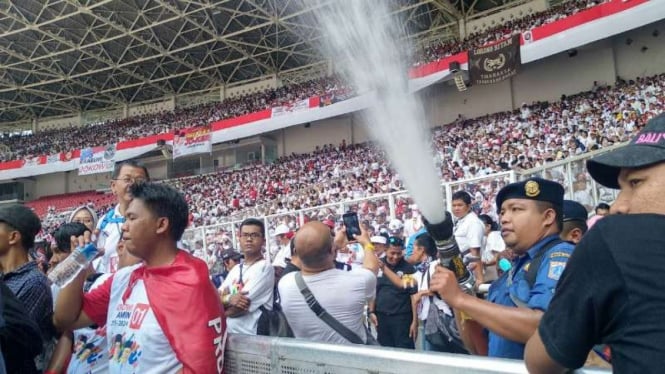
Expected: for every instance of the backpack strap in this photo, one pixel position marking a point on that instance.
(320, 312)
(532, 272)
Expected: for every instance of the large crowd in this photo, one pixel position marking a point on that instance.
(468, 148)
(147, 301)
(25, 146)
(440, 50)
(531, 136)
(63, 140)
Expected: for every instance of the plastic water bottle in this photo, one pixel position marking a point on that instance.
(67, 270)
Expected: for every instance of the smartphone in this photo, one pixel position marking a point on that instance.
(351, 224)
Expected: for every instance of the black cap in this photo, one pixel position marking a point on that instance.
(574, 211)
(229, 254)
(24, 220)
(538, 189)
(396, 241)
(646, 148)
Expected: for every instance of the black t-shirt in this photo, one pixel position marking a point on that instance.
(389, 298)
(611, 292)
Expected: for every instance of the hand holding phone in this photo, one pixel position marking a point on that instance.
(352, 225)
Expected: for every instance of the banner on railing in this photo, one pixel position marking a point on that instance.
(494, 63)
(192, 141)
(297, 106)
(95, 160)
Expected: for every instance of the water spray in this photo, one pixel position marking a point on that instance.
(365, 40)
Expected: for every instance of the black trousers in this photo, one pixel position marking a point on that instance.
(393, 330)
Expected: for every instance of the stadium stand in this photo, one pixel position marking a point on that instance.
(55, 141)
(468, 148)
(509, 28)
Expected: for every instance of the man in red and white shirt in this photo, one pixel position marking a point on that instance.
(162, 315)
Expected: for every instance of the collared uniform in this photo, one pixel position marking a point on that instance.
(469, 232)
(513, 285)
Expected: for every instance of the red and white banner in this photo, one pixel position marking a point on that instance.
(192, 141)
(587, 26)
(95, 160)
(297, 106)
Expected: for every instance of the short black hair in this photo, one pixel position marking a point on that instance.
(164, 201)
(569, 226)
(64, 234)
(130, 163)
(426, 241)
(489, 221)
(602, 206)
(558, 210)
(253, 222)
(462, 195)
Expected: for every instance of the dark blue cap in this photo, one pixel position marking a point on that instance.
(538, 189)
(574, 211)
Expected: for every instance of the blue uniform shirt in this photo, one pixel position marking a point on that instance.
(536, 297)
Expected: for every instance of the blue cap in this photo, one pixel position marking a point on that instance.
(574, 211)
(538, 189)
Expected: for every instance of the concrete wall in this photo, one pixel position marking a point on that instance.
(51, 184)
(443, 103)
(631, 62)
(76, 183)
(548, 79)
(300, 139)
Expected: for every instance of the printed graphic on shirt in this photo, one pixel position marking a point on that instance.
(89, 350)
(125, 350)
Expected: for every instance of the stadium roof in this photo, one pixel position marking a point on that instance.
(65, 56)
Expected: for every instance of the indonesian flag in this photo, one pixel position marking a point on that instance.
(189, 311)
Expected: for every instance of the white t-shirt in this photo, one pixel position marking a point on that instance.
(281, 256)
(493, 245)
(90, 354)
(137, 343)
(108, 239)
(258, 279)
(352, 290)
(469, 232)
(423, 284)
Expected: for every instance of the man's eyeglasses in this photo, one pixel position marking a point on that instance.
(128, 180)
(251, 235)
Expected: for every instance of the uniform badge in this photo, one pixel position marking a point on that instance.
(531, 189)
(555, 270)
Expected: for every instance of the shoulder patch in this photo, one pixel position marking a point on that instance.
(559, 254)
(555, 270)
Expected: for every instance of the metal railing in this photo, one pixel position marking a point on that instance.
(571, 173)
(265, 355)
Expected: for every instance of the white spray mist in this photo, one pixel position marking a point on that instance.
(364, 42)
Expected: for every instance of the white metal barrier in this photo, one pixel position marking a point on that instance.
(571, 173)
(264, 355)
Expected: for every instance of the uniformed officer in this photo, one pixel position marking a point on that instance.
(531, 220)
